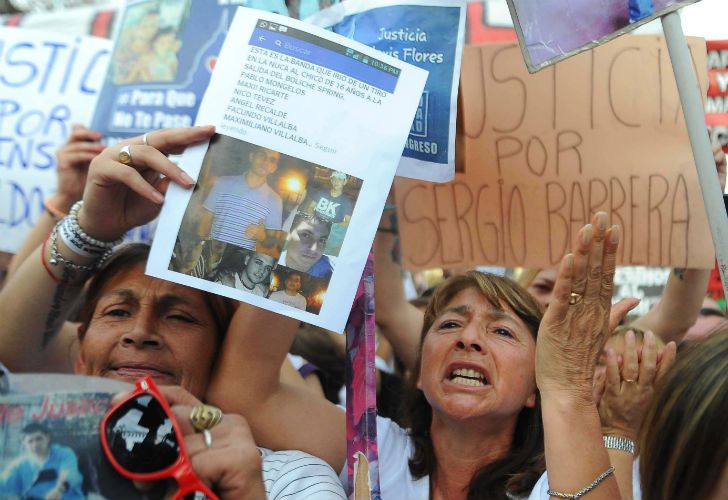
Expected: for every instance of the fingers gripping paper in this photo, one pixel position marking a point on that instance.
(601, 131)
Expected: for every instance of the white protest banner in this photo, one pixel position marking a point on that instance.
(428, 34)
(47, 83)
(550, 31)
(543, 152)
(311, 127)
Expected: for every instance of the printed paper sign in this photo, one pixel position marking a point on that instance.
(428, 34)
(164, 54)
(601, 131)
(311, 127)
(74, 457)
(716, 105)
(552, 30)
(47, 83)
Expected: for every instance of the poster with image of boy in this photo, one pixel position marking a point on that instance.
(164, 54)
(285, 201)
(50, 448)
(428, 34)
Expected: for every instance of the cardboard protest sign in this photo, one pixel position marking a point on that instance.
(552, 30)
(428, 34)
(47, 83)
(716, 105)
(601, 131)
(282, 214)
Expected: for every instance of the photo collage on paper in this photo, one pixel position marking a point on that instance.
(265, 223)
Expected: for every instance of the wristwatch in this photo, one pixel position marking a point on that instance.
(619, 443)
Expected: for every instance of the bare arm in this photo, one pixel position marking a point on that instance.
(571, 335)
(679, 305)
(34, 307)
(399, 321)
(281, 416)
(205, 224)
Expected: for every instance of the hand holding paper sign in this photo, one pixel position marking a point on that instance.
(120, 196)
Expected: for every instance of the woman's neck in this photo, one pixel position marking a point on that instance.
(461, 450)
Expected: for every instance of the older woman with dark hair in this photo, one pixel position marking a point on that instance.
(133, 325)
(483, 380)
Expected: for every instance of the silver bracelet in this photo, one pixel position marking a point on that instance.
(584, 490)
(57, 258)
(619, 443)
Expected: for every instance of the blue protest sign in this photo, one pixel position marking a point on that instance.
(164, 54)
(47, 83)
(427, 34)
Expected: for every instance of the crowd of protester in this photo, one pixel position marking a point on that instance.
(500, 389)
(488, 387)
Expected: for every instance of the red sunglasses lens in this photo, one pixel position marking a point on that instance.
(141, 436)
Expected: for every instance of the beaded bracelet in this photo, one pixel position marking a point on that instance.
(585, 489)
(88, 240)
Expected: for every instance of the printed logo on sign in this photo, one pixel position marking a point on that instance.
(327, 208)
(419, 126)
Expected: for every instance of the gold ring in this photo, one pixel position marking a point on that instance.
(575, 298)
(630, 381)
(205, 417)
(125, 155)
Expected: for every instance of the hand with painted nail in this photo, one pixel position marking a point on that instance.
(127, 182)
(632, 363)
(576, 324)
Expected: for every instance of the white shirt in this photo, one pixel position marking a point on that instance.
(236, 206)
(298, 301)
(395, 448)
(295, 475)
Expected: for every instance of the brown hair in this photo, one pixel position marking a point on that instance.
(681, 454)
(136, 254)
(517, 472)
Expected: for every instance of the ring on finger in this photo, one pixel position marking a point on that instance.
(630, 380)
(575, 298)
(208, 438)
(205, 417)
(125, 155)
(144, 138)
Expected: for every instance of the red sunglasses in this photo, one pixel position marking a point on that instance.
(142, 440)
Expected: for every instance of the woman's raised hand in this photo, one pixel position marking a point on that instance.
(575, 325)
(626, 390)
(122, 195)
